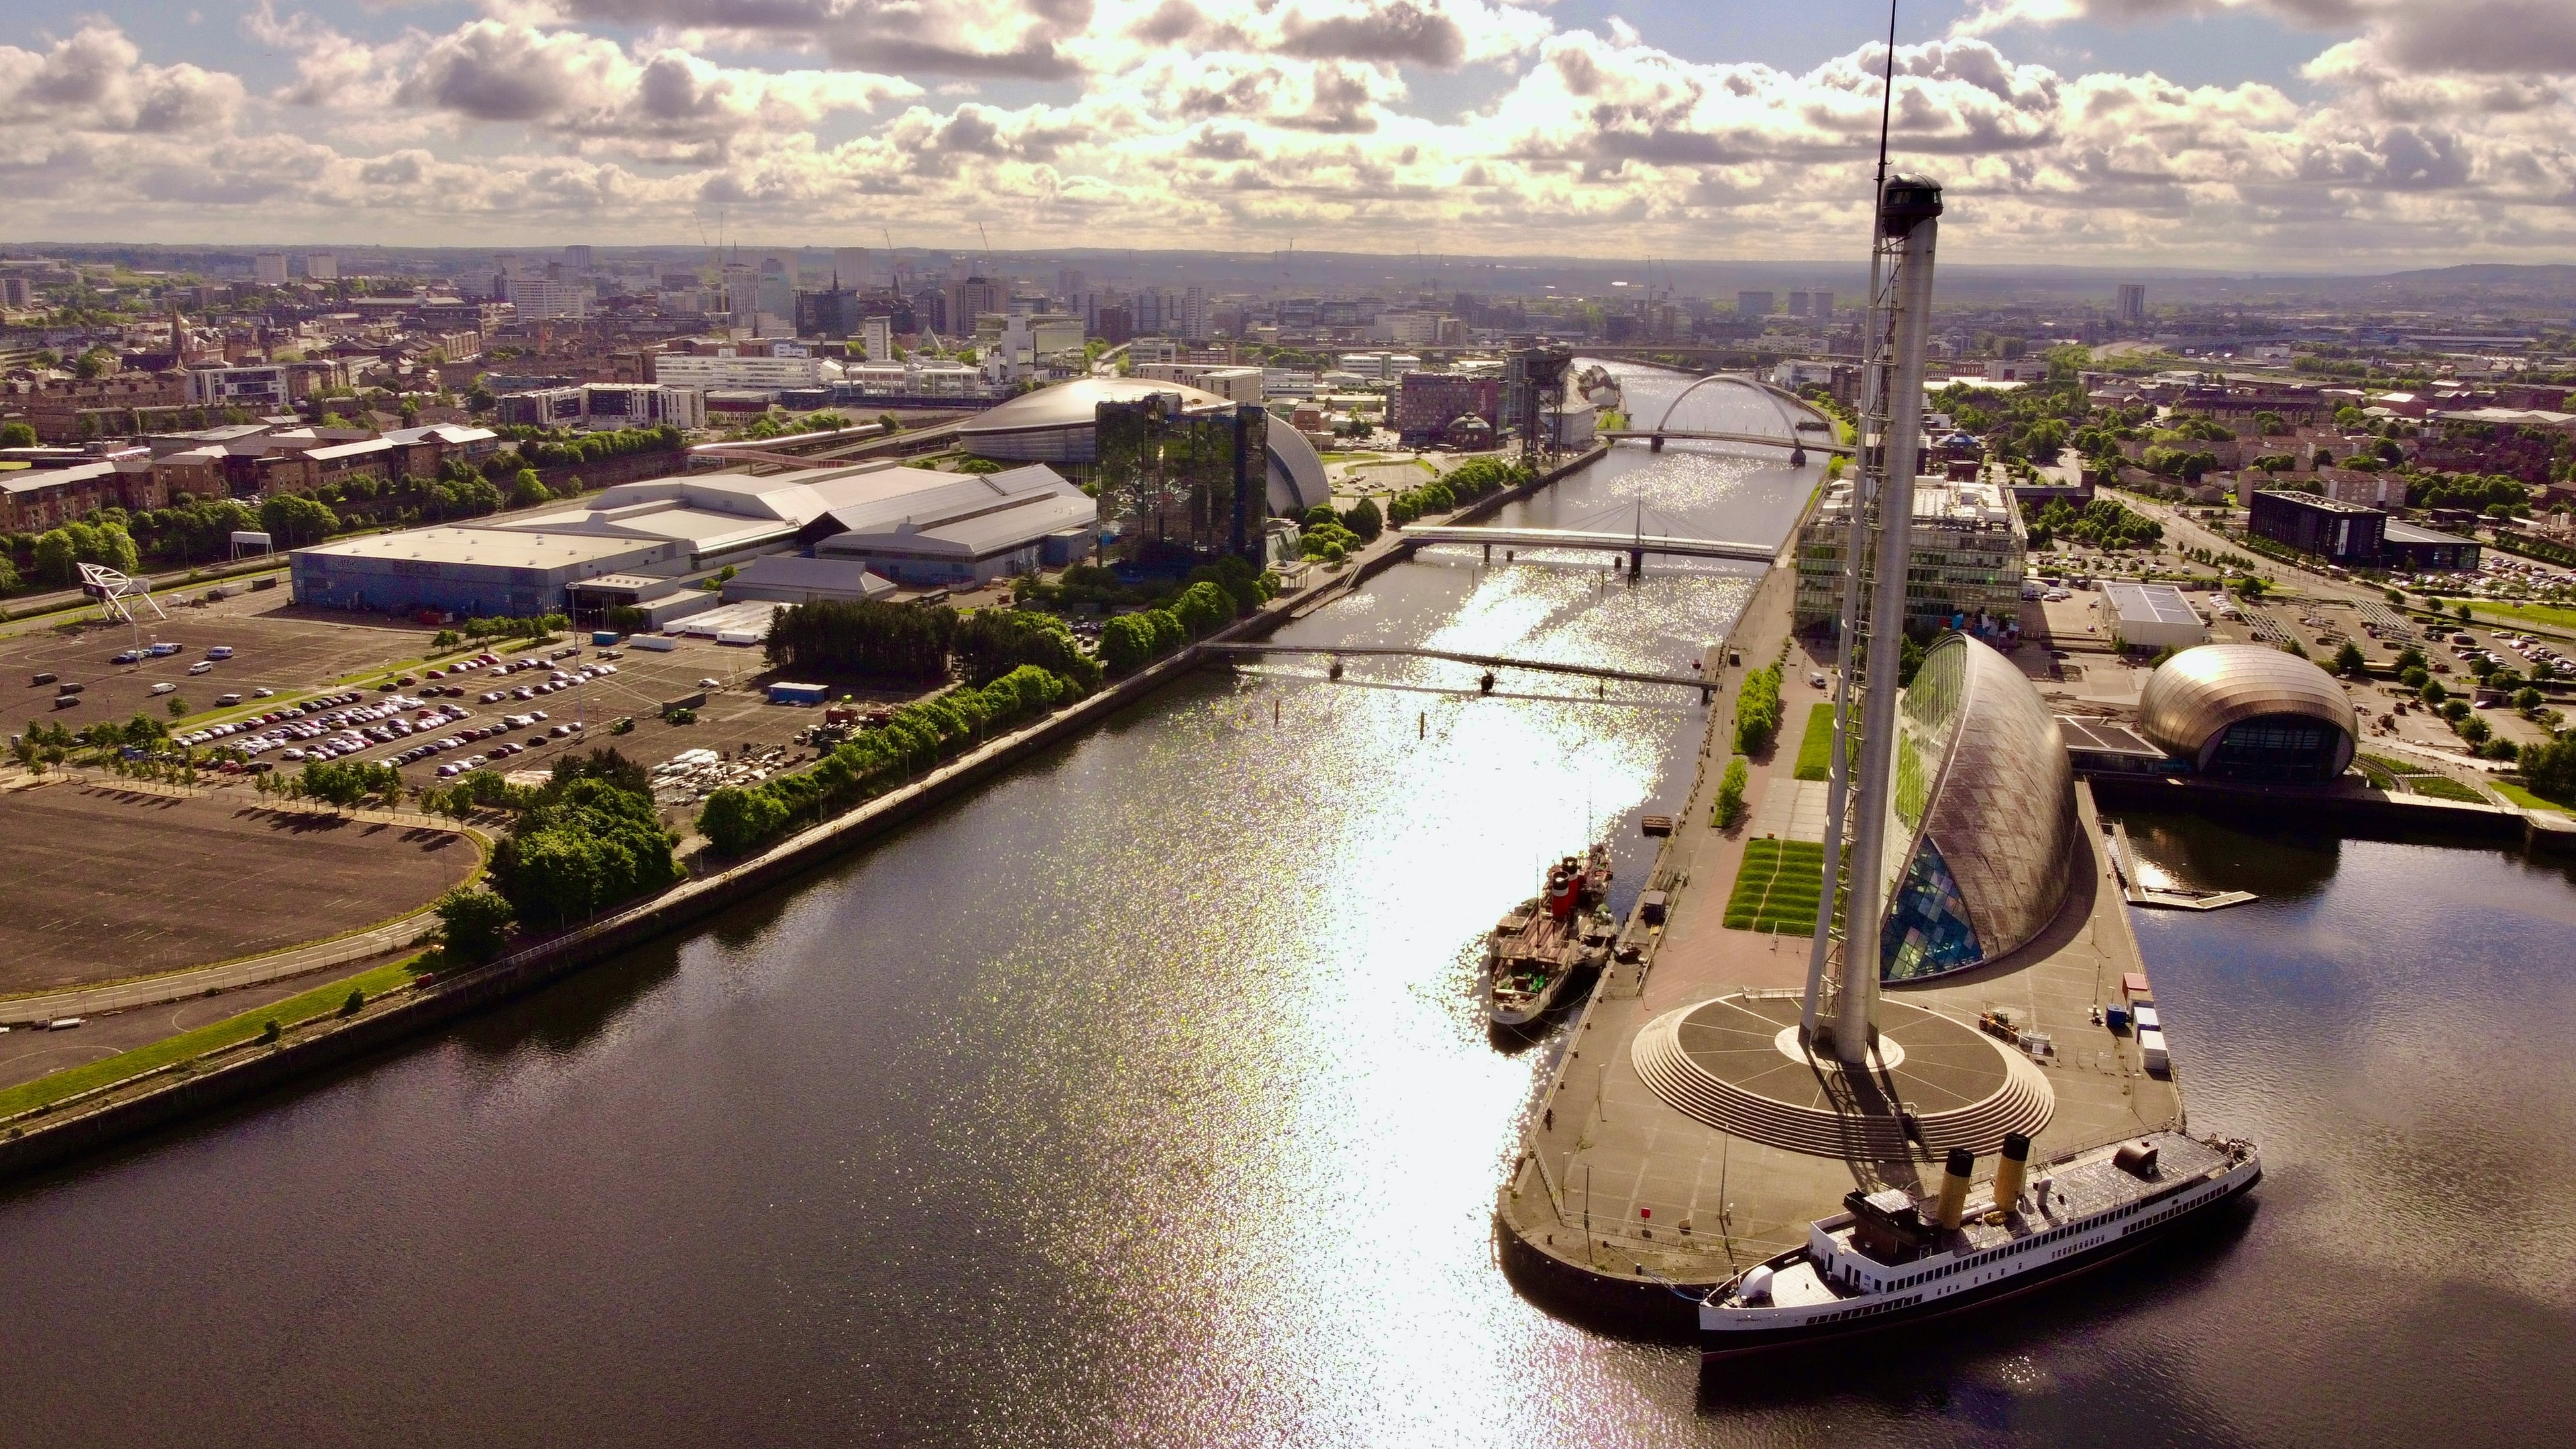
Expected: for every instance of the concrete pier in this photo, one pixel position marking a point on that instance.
(1620, 1203)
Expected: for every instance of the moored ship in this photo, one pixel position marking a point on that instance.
(1892, 1258)
(1548, 939)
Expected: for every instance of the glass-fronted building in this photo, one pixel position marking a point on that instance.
(1969, 550)
(1981, 846)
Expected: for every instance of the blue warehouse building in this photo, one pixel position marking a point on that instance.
(470, 571)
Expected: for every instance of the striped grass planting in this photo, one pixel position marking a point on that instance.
(1777, 887)
(1816, 749)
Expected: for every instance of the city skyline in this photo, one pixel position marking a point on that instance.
(2242, 134)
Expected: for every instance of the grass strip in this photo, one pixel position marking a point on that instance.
(2526, 799)
(2443, 787)
(231, 1031)
(1816, 748)
(2549, 614)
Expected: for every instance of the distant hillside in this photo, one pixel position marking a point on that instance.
(2556, 274)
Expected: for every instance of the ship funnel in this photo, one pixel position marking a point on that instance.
(1954, 1187)
(2010, 1172)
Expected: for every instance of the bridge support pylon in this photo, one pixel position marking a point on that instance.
(1636, 564)
(1656, 445)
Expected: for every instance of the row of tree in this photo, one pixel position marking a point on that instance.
(737, 821)
(1456, 488)
(1131, 641)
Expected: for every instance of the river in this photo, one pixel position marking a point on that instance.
(1143, 1098)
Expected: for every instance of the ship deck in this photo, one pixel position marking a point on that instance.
(1630, 1192)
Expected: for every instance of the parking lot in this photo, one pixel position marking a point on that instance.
(275, 646)
(108, 883)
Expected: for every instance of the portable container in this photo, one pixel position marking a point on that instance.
(2152, 1045)
(603, 637)
(784, 692)
(2147, 1020)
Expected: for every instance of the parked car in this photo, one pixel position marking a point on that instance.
(127, 656)
(202, 666)
(164, 687)
(227, 700)
(44, 676)
(220, 651)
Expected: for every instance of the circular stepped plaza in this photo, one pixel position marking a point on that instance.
(1734, 1063)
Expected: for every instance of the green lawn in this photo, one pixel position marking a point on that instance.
(2553, 615)
(2443, 787)
(231, 1031)
(2526, 799)
(1777, 887)
(1816, 748)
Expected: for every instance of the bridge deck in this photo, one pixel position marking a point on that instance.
(1819, 445)
(1488, 661)
(1575, 538)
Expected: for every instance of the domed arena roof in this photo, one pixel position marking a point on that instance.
(2249, 710)
(1056, 425)
(1986, 797)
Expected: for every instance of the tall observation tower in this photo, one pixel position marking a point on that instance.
(1841, 1011)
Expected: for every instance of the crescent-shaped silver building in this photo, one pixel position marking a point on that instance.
(2249, 712)
(1060, 425)
(1985, 825)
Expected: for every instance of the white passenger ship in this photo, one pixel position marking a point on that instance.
(1893, 1259)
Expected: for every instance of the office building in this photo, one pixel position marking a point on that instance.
(2133, 302)
(2340, 533)
(544, 297)
(1969, 551)
(269, 269)
(1427, 404)
(322, 266)
(576, 259)
(879, 334)
(727, 370)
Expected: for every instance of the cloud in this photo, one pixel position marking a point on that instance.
(1224, 122)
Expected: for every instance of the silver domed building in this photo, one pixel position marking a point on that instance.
(1059, 425)
(1985, 815)
(2249, 712)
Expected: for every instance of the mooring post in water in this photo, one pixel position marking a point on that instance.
(1489, 553)
(1422, 726)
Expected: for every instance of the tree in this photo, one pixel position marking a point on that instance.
(2549, 767)
(1364, 520)
(586, 846)
(17, 435)
(95, 363)
(2348, 660)
(527, 490)
(295, 520)
(473, 923)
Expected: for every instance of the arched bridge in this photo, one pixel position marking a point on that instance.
(1790, 435)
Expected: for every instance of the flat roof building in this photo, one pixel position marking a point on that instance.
(1970, 552)
(2340, 533)
(489, 572)
(2153, 616)
(2417, 549)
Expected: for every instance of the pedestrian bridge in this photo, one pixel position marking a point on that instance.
(1659, 436)
(1632, 544)
(1487, 662)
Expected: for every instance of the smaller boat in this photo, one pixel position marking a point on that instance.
(1549, 939)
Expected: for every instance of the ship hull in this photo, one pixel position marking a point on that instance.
(1728, 1344)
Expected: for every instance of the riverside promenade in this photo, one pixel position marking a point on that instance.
(1618, 1198)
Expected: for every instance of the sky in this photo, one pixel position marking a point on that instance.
(2280, 135)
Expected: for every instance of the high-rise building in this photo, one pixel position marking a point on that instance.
(1798, 304)
(541, 297)
(850, 268)
(1753, 304)
(269, 269)
(879, 332)
(1194, 315)
(322, 266)
(577, 258)
(2133, 302)
(1069, 286)
(1820, 308)
(972, 297)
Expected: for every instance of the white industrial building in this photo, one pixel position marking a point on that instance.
(648, 544)
(757, 374)
(2152, 616)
